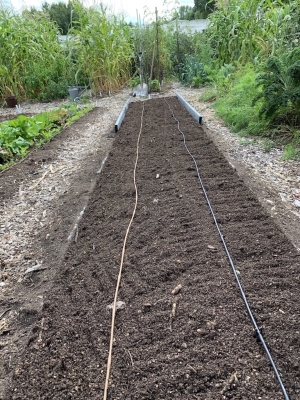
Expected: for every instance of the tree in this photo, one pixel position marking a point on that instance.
(186, 12)
(202, 8)
(61, 13)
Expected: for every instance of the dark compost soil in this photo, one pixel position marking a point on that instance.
(207, 350)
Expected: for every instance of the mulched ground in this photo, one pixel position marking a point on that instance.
(207, 350)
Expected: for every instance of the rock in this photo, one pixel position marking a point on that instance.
(119, 305)
(177, 289)
(36, 267)
(297, 203)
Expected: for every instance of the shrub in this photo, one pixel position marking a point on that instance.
(280, 84)
(236, 107)
(134, 82)
(193, 72)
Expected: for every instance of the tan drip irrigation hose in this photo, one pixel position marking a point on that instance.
(121, 264)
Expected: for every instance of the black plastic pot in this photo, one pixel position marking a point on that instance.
(11, 101)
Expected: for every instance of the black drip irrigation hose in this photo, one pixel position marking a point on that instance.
(258, 333)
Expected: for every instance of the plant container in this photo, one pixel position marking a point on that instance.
(73, 92)
(11, 101)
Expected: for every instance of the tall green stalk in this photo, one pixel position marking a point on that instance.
(29, 53)
(244, 30)
(102, 45)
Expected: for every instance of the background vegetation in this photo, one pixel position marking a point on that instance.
(248, 57)
(34, 63)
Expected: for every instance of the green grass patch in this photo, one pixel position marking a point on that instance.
(291, 151)
(267, 144)
(246, 142)
(209, 95)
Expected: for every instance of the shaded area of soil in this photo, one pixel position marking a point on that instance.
(205, 349)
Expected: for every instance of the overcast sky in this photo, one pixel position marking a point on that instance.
(128, 6)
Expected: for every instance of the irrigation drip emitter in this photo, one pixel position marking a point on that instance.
(256, 327)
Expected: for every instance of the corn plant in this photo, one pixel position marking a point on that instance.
(244, 30)
(31, 59)
(101, 45)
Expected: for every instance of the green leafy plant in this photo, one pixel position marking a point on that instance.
(31, 58)
(102, 47)
(280, 84)
(19, 135)
(209, 95)
(291, 151)
(193, 71)
(134, 82)
(222, 78)
(245, 31)
(267, 145)
(236, 107)
(154, 84)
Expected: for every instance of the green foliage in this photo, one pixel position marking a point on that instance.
(62, 14)
(155, 84)
(203, 8)
(267, 144)
(291, 151)
(156, 43)
(102, 47)
(19, 135)
(236, 108)
(47, 81)
(222, 78)
(195, 58)
(209, 95)
(33, 63)
(193, 72)
(31, 58)
(134, 82)
(280, 83)
(243, 30)
(185, 12)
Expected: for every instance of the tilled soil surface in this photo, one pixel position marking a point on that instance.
(197, 343)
